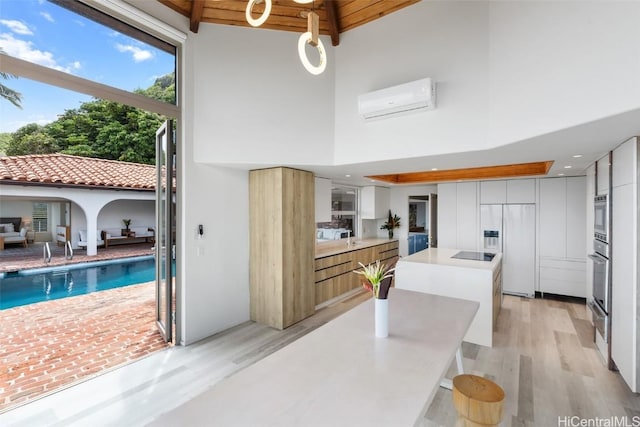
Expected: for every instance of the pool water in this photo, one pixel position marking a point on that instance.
(31, 286)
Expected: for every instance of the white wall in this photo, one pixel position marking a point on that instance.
(213, 271)
(255, 103)
(141, 212)
(443, 40)
(558, 64)
(505, 71)
(16, 208)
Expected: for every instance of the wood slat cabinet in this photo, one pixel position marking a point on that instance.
(334, 273)
(282, 246)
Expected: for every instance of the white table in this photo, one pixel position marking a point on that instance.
(340, 374)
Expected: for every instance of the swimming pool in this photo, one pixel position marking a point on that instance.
(44, 284)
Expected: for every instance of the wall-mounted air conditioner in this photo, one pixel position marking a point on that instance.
(412, 96)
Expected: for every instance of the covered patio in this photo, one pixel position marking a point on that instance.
(15, 258)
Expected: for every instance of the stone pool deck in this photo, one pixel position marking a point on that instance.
(51, 345)
(19, 258)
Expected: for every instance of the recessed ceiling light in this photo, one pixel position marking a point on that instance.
(348, 176)
(568, 167)
(577, 156)
(560, 174)
(373, 180)
(434, 169)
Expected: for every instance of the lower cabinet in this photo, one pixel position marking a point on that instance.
(563, 277)
(417, 243)
(334, 274)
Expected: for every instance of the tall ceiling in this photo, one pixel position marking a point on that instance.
(336, 16)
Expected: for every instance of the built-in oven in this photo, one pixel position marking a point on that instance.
(600, 301)
(601, 218)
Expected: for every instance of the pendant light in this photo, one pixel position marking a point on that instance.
(263, 17)
(311, 37)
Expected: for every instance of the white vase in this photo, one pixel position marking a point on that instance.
(382, 317)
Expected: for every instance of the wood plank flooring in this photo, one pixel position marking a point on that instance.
(543, 357)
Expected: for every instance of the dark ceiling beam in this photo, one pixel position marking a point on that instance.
(197, 7)
(332, 20)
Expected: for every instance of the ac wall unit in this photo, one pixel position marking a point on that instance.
(412, 96)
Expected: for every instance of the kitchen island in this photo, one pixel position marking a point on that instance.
(434, 271)
(335, 261)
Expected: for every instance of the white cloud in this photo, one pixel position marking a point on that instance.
(138, 54)
(79, 22)
(17, 27)
(47, 16)
(25, 50)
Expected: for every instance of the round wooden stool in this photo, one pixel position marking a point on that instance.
(478, 401)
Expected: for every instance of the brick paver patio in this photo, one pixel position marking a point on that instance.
(53, 344)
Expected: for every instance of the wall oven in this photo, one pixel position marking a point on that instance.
(600, 303)
(601, 218)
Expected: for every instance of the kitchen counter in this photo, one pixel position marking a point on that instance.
(443, 257)
(335, 262)
(335, 247)
(433, 271)
(342, 375)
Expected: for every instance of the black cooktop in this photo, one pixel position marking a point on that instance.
(474, 256)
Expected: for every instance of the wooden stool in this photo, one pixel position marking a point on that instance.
(478, 401)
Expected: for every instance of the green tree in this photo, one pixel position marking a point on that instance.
(101, 128)
(4, 142)
(31, 139)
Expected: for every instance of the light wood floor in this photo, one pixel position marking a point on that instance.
(544, 359)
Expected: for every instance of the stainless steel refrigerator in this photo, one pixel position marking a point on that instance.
(511, 229)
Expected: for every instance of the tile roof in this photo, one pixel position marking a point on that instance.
(63, 169)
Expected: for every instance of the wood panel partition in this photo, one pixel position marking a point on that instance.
(282, 245)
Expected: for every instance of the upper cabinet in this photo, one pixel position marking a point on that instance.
(458, 215)
(563, 217)
(624, 161)
(323, 199)
(374, 202)
(493, 192)
(521, 191)
(510, 191)
(602, 175)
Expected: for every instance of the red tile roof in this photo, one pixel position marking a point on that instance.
(62, 169)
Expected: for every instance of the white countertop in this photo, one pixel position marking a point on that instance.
(442, 256)
(334, 247)
(341, 374)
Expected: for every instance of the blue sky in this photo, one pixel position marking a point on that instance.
(46, 34)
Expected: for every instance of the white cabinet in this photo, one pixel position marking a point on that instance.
(493, 192)
(552, 213)
(602, 176)
(447, 215)
(576, 218)
(374, 202)
(625, 317)
(562, 236)
(467, 215)
(521, 191)
(323, 199)
(512, 191)
(458, 215)
(624, 170)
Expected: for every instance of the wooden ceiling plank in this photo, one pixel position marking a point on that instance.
(332, 21)
(177, 6)
(197, 7)
(372, 13)
(468, 174)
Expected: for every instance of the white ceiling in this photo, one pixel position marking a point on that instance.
(590, 140)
